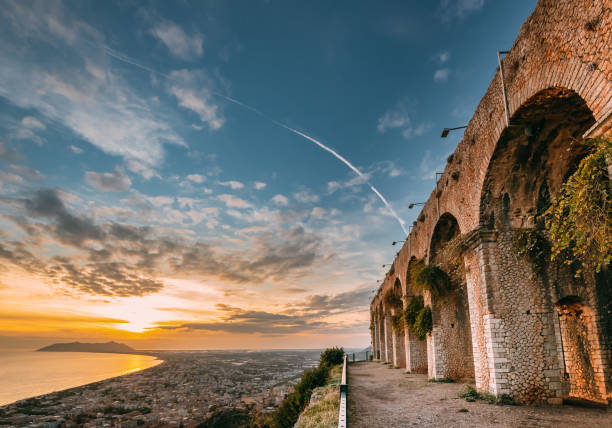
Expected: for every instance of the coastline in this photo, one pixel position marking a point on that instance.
(75, 389)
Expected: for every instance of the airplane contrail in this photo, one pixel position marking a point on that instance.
(124, 58)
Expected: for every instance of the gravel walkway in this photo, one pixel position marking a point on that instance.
(383, 397)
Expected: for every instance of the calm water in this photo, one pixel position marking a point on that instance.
(27, 374)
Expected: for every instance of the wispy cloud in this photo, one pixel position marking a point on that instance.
(116, 181)
(233, 184)
(107, 113)
(458, 9)
(192, 89)
(306, 196)
(258, 185)
(232, 201)
(400, 118)
(441, 75)
(280, 200)
(178, 42)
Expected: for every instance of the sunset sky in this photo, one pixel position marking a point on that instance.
(152, 190)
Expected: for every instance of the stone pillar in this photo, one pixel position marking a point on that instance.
(373, 336)
(388, 339)
(381, 336)
(488, 335)
(416, 352)
(399, 352)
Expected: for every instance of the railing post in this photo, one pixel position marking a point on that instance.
(342, 416)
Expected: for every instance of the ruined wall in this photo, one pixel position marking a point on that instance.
(498, 180)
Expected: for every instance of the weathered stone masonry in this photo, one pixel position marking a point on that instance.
(537, 334)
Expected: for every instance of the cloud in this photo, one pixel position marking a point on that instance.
(231, 201)
(108, 113)
(306, 196)
(443, 57)
(67, 228)
(458, 9)
(192, 91)
(76, 150)
(441, 75)
(400, 118)
(258, 185)
(32, 123)
(178, 42)
(196, 178)
(116, 181)
(9, 154)
(234, 185)
(280, 200)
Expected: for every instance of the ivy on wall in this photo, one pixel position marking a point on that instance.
(418, 317)
(580, 217)
(392, 300)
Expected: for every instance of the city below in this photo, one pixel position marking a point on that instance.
(185, 390)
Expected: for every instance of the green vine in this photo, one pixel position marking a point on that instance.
(531, 244)
(423, 324)
(392, 300)
(397, 323)
(412, 309)
(418, 317)
(580, 217)
(433, 279)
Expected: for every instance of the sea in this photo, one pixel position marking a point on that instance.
(25, 374)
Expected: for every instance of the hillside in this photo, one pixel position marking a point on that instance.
(108, 347)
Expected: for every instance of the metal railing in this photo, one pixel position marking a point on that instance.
(343, 414)
(358, 356)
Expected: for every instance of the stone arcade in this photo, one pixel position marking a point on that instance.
(539, 335)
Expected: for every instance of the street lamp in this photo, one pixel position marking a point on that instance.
(445, 131)
(412, 204)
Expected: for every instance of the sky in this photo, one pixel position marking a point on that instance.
(223, 174)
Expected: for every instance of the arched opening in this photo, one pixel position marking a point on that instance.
(531, 161)
(398, 326)
(583, 376)
(416, 347)
(452, 336)
(533, 157)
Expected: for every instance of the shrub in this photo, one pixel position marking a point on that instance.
(423, 323)
(332, 356)
(471, 395)
(433, 279)
(291, 407)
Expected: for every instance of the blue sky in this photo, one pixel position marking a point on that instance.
(115, 119)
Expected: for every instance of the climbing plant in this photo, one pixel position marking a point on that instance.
(580, 217)
(418, 317)
(531, 244)
(412, 309)
(392, 299)
(397, 322)
(424, 323)
(433, 279)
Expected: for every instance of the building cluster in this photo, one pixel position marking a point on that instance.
(182, 391)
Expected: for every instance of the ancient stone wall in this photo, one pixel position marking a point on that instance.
(512, 314)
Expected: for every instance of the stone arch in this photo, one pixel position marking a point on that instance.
(533, 157)
(450, 344)
(531, 161)
(581, 353)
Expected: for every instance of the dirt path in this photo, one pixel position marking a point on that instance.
(383, 397)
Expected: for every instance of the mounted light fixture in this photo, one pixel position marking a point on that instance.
(445, 131)
(412, 204)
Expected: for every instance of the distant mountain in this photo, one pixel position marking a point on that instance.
(108, 347)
